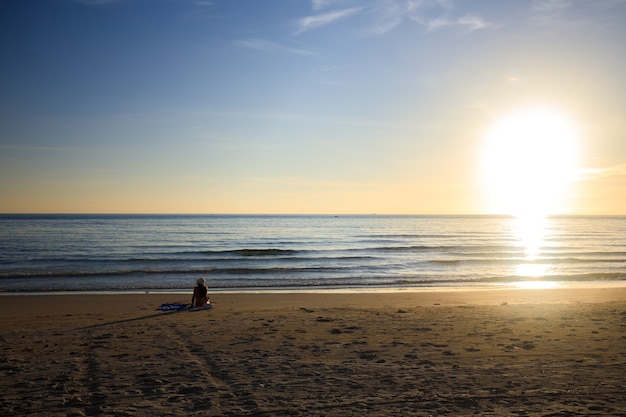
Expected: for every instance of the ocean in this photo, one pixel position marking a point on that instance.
(43, 253)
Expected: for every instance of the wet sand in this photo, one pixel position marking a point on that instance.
(550, 352)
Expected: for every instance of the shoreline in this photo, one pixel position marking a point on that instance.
(502, 286)
(26, 305)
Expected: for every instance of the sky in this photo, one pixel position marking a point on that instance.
(322, 106)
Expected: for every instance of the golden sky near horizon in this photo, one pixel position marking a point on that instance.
(328, 106)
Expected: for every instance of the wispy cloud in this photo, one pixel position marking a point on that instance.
(617, 171)
(320, 4)
(546, 12)
(268, 46)
(576, 12)
(388, 15)
(472, 23)
(337, 4)
(551, 6)
(438, 15)
(469, 23)
(321, 20)
(385, 15)
(203, 3)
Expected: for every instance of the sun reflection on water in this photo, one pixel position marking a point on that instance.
(530, 232)
(531, 270)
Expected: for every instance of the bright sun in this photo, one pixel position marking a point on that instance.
(528, 163)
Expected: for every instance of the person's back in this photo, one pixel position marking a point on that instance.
(200, 294)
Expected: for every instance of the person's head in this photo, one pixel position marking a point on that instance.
(201, 282)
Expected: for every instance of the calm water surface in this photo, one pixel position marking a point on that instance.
(169, 252)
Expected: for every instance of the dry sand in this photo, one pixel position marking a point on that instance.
(557, 352)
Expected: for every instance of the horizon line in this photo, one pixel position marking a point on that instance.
(298, 214)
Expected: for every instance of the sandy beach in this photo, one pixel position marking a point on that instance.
(549, 352)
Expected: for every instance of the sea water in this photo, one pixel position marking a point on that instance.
(262, 252)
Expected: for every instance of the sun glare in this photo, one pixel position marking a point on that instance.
(528, 163)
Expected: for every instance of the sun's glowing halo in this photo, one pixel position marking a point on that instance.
(528, 162)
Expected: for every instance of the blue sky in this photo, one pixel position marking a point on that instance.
(294, 106)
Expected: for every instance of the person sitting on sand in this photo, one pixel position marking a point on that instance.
(200, 294)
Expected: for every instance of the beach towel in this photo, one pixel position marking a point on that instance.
(172, 307)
